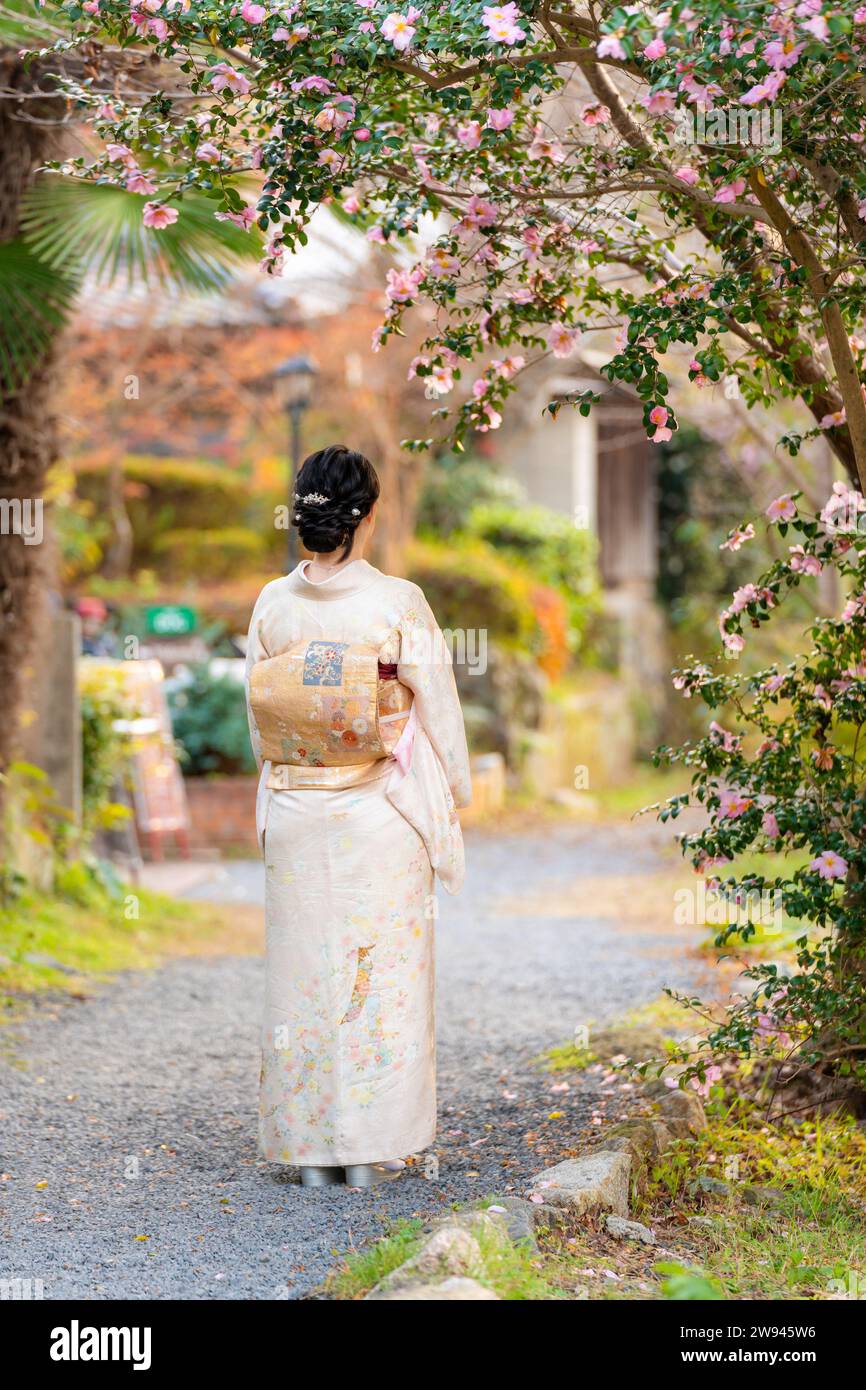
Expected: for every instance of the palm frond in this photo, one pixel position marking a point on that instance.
(35, 301)
(99, 227)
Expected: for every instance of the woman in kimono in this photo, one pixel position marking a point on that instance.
(357, 729)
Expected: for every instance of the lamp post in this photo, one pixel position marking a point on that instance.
(294, 381)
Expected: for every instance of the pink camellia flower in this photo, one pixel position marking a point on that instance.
(441, 263)
(225, 78)
(658, 103)
(730, 742)
(687, 175)
(610, 47)
(595, 114)
(732, 804)
(479, 213)
(770, 825)
(120, 154)
(440, 380)
(803, 563)
(781, 509)
(562, 340)
(659, 415)
(362, 134)
(833, 420)
(158, 215)
(469, 135)
(818, 26)
(400, 29)
(782, 54)
(500, 21)
(661, 435)
(403, 284)
(742, 597)
(738, 537)
(729, 192)
(500, 118)
(543, 147)
(314, 83)
(139, 183)
(711, 1074)
(351, 204)
(253, 14)
(657, 48)
(91, 6)
(491, 419)
(734, 642)
(508, 366)
(829, 864)
(765, 90)
(208, 152)
(244, 219)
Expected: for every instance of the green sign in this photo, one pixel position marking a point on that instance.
(170, 620)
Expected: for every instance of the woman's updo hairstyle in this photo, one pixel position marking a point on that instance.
(349, 483)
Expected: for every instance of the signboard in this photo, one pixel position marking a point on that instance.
(159, 795)
(170, 620)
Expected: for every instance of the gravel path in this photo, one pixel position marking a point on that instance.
(136, 1108)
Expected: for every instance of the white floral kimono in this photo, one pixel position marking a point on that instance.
(348, 1042)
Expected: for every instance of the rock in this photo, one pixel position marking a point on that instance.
(621, 1229)
(682, 1112)
(453, 1289)
(48, 962)
(663, 1135)
(519, 1220)
(452, 1249)
(642, 1043)
(638, 1136)
(758, 1196)
(596, 1182)
(547, 1217)
(712, 1185)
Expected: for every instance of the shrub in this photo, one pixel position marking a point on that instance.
(217, 554)
(209, 720)
(453, 486)
(167, 495)
(788, 778)
(548, 543)
(470, 587)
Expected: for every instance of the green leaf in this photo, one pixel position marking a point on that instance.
(35, 301)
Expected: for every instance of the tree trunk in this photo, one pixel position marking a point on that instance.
(28, 444)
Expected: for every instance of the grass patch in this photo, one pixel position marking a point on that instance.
(639, 1034)
(800, 1235)
(646, 785)
(511, 1271)
(364, 1268)
(54, 944)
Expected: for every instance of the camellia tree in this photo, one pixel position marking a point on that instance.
(689, 176)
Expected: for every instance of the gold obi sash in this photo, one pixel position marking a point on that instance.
(324, 715)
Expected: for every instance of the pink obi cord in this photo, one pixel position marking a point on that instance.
(402, 753)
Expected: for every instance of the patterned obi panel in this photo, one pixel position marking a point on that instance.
(327, 705)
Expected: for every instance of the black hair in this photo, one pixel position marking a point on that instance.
(348, 480)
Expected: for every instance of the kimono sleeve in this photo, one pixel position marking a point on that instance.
(425, 667)
(256, 651)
